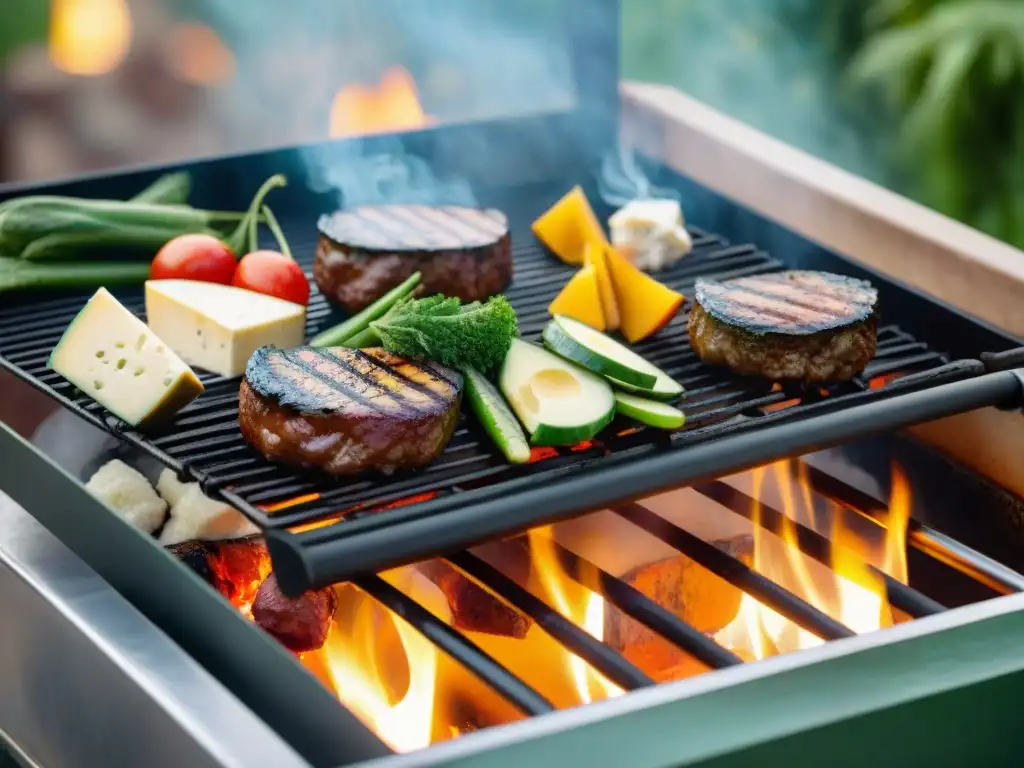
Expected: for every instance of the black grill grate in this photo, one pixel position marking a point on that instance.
(205, 443)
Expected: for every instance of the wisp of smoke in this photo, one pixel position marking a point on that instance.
(389, 174)
(622, 180)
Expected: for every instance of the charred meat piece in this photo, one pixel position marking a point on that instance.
(234, 567)
(788, 326)
(474, 608)
(300, 624)
(365, 252)
(347, 410)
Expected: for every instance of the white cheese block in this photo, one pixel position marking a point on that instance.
(196, 516)
(112, 356)
(171, 488)
(218, 327)
(650, 233)
(129, 494)
(667, 214)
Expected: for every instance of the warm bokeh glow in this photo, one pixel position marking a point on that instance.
(198, 56)
(392, 105)
(89, 37)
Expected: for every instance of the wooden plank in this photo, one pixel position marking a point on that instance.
(969, 270)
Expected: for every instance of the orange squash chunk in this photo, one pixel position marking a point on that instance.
(580, 299)
(595, 257)
(568, 226)
(645, 305)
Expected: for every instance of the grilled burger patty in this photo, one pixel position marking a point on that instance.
(787, 326)
(347, 410)
(365, 252)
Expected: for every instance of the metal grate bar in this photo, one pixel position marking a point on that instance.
(813, 544)
(738, 574)
(922, 537)
(460, 648)
(573, 638)
(636, 604)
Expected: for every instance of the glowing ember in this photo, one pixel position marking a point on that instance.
(89, 37)
(848, 592)
(393, 105)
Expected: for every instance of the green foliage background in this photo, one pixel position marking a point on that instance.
(919, 95)
(922, 96)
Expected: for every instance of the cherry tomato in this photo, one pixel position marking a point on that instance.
(194, 257)
(273, 274)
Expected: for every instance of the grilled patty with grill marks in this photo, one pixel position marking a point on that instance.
(364, 252)
(347, 410)
(786, 326)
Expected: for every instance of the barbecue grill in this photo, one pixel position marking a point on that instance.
(955, 656)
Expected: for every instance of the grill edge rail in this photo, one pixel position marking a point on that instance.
(325, 556)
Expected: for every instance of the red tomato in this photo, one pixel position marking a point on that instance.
(273, 274)
(194, 257)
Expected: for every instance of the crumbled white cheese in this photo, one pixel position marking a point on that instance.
(650, 233)
(171, 488)
(196, 516)
(129, 494)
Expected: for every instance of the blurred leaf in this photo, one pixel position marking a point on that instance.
(950, 66)
(24, 22)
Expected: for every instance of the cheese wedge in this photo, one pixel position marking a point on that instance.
(112, 356)
(595, 256)
(218, 327)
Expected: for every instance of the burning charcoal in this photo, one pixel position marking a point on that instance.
(474, 608)
(234, 567)
(705, 601)
(300, 624)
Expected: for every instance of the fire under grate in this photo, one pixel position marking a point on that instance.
(633, 603)
(410, 515)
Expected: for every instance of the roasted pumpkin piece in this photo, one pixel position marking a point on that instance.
(580, 299)
(567, 226)
(594, 256)
(645, 305)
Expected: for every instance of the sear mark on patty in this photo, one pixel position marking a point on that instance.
(795, 302)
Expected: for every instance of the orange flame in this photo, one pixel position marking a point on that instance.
(579, 605)
(89, 37)
(362, 668)
(849, 592)
(393, 105)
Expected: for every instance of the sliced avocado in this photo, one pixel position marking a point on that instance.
(558, 402)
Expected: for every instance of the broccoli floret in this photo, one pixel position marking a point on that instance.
(448, 332)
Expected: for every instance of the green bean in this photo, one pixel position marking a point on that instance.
(169, 189)
(358, 323)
